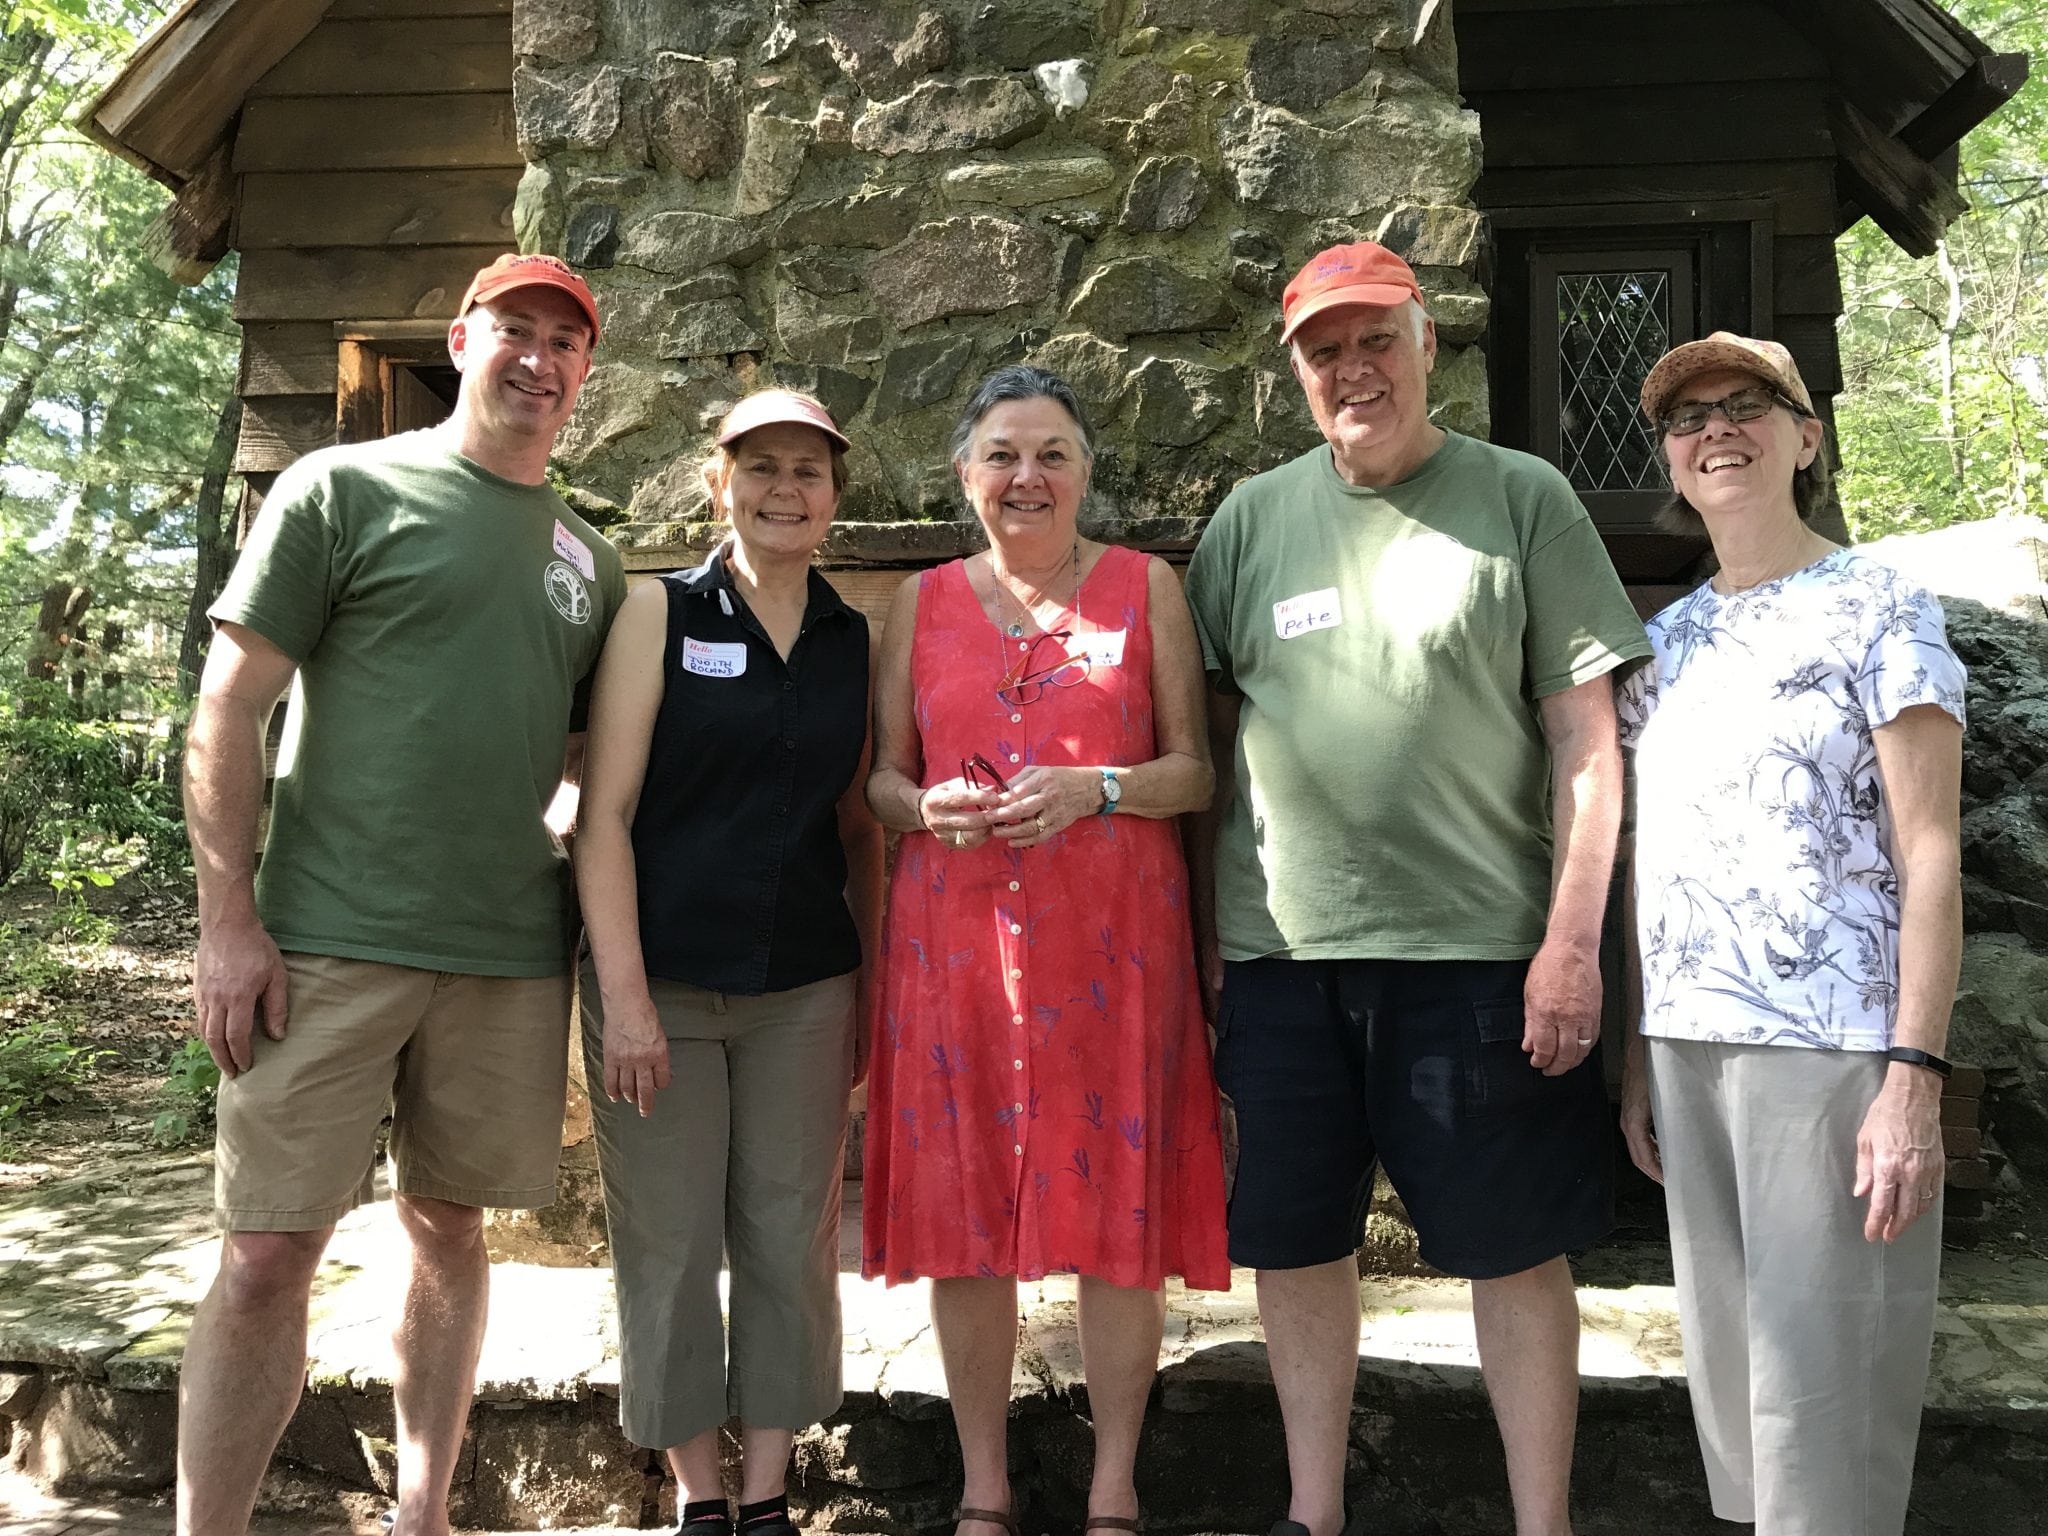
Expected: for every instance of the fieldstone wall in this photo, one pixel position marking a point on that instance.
(880, 202)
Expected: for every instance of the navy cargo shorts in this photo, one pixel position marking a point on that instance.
(1335, 1065)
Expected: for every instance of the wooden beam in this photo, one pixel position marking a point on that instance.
(359, 10)
(371, 133)
(190, 236)
(1807, 280)
(421, 338)
(1983, 88)
(447, 55)
(1507, 51)
(373, 284)
(377, 208)
(279, 430)
(359, 396)
(1801, 192)
(1641, 125)
(287, 358)
(1910, 201)
(1814, 346)
(182, 88)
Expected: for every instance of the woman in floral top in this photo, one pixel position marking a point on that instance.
(1798, 922)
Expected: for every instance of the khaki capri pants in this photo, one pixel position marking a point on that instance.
(1806, 1346)
(741, 1161)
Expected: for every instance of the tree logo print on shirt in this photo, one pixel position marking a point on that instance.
(566, 591)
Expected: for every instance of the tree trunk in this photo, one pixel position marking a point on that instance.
(1953, 319)
(19, 398)
(57, 625)
(216, 552)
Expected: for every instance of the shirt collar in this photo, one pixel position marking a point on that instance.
(713, 577)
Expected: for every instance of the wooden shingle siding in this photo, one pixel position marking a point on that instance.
(376, 166)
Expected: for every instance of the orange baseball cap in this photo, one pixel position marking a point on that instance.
(1362, 273)
(513, 270)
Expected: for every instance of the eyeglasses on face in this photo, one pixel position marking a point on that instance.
(977, 772)
(1692, 416)
(1026, 682)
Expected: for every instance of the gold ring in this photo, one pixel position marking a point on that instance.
(959, 839)
(1039, 819)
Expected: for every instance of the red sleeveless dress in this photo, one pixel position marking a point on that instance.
(1040, 1097)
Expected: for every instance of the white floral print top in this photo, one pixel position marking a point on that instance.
(1767, 909)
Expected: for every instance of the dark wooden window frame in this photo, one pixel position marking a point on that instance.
(370, 354)
(1729, 246)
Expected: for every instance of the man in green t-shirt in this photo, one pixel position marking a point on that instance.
(406, 942)
(1409, 636)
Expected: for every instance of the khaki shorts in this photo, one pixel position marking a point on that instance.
(473, 1070)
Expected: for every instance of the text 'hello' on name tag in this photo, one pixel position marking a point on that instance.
(575, 551)
(1104, 648)
(714, 658)
(1306, 613)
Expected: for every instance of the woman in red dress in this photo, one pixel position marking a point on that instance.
(1041, 1098)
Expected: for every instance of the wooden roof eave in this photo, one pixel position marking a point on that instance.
(171, 113)
(1911, 82)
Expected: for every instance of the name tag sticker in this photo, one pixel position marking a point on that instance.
(1310, 611)
(1106, 649)
(575, 551)
(713, 658)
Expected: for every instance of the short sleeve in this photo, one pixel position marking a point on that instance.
(1211, 588)
(1910, 660)
(282, 586)
(1580, 623)
(1634, 702)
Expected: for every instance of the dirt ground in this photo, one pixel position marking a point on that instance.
(132, 999)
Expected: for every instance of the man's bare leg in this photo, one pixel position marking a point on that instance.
(1528, 1326)
(439, 1337)
(1311, 1319)
(245, 1365)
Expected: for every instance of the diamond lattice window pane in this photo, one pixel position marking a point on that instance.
(1611, 329)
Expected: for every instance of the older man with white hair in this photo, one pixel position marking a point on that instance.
(1409, 636)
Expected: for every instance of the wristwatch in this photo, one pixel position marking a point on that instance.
(1112, 792)
(1918, 1058)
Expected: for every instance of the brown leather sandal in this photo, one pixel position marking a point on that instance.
(1115, 1523)
(991, 1516)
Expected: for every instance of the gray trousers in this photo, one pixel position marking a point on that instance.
(1806, 1346)
(741, 1162)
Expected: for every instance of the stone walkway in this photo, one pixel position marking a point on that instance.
(97, 1278)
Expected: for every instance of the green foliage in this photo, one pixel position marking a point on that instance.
(81, 800)
(29, 968)
(187, 1096)
(40, 1064)
(1944, 415)
(112, 376)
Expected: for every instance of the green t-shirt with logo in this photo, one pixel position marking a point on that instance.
(1389, 646)
(444, 621)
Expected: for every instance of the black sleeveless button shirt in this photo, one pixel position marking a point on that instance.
(741, 872)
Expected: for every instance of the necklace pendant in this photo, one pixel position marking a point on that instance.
(1017, 629)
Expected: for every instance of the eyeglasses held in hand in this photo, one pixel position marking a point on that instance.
(1026, 682)
(977, 769)
(1744, 405)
